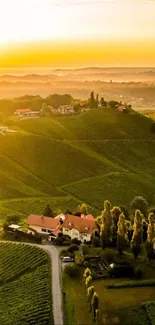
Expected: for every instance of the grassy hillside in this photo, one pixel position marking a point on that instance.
(24, 286)
(93, 156)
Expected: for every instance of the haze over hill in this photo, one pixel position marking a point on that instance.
(98, 155)
(132, 85)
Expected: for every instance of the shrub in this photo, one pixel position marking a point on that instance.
(72, 248)
(125, 269)
(58, 241)
(98, 251)
(72, 270)
(14, 218)
(139, 272)
(139, 203)
(66, 242)
(66, 237)
(85, 249)
(86, 264)
(96, 241)
(108, 255)
(131, 284)
(79, 259)
(63, 252)
(75, 241)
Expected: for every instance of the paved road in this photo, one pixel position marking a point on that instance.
(56, 281)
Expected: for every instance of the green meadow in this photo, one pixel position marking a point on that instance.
(96, 155)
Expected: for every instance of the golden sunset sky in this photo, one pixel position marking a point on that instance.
(70, 33)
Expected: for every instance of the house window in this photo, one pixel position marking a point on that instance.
(49, 231)
(85, 235)
(43, 230)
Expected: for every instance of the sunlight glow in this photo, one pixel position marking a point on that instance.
(59, 20)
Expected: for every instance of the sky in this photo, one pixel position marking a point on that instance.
(77, 33)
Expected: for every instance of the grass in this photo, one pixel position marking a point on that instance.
(35, 205)
(24, 286)
(101, 154)
(111, 302)
(118, 188)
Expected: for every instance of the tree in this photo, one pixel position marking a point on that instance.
(95, 305)
(106, 225)
(137, 237)
(102, 101)
(90, 293)
(113, 103)
(139, 203)
(87, 272)
(122, 234)
(83, 209)
(97, 101)
(48, 211)
(151, 228)
(124, 209)
(88, 282)
(116, 211)
(150, 235)
(72, 248)
(68, 212)
(92, 100)
(153, 127)
(13, 218)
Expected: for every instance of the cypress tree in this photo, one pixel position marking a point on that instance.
(90, 293)
(97, 101)
(83, 209)
(122, 233)
(88, 282)
(116, 211)
(151, 228)
(137, 237)
(48, 211)
(95, 305)
(106, 225)
(150, 236)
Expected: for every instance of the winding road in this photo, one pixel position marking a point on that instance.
(56, 280)
(56, 283)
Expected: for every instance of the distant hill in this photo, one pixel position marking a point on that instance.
(98, 155)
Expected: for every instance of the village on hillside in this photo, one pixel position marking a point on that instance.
(34, 107)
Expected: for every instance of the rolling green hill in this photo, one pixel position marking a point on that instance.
(97, 155)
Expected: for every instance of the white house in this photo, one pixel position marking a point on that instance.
(66, 109)
(78, 227)
(73, 226)
(42, 225)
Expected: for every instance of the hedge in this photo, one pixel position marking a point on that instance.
(131, 284)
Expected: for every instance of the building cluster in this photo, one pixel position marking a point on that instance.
(80, 227)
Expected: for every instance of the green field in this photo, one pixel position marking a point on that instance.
(112, 302)
(24, 285)
(97, 155)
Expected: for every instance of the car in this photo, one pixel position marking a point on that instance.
(66, 259)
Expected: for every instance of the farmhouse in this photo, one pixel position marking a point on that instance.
(78, 227)
(121, 108)
(66, 109)
(26, 112)
(42, 225)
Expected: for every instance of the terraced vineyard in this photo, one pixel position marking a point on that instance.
(24, 286)
(93, 156)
